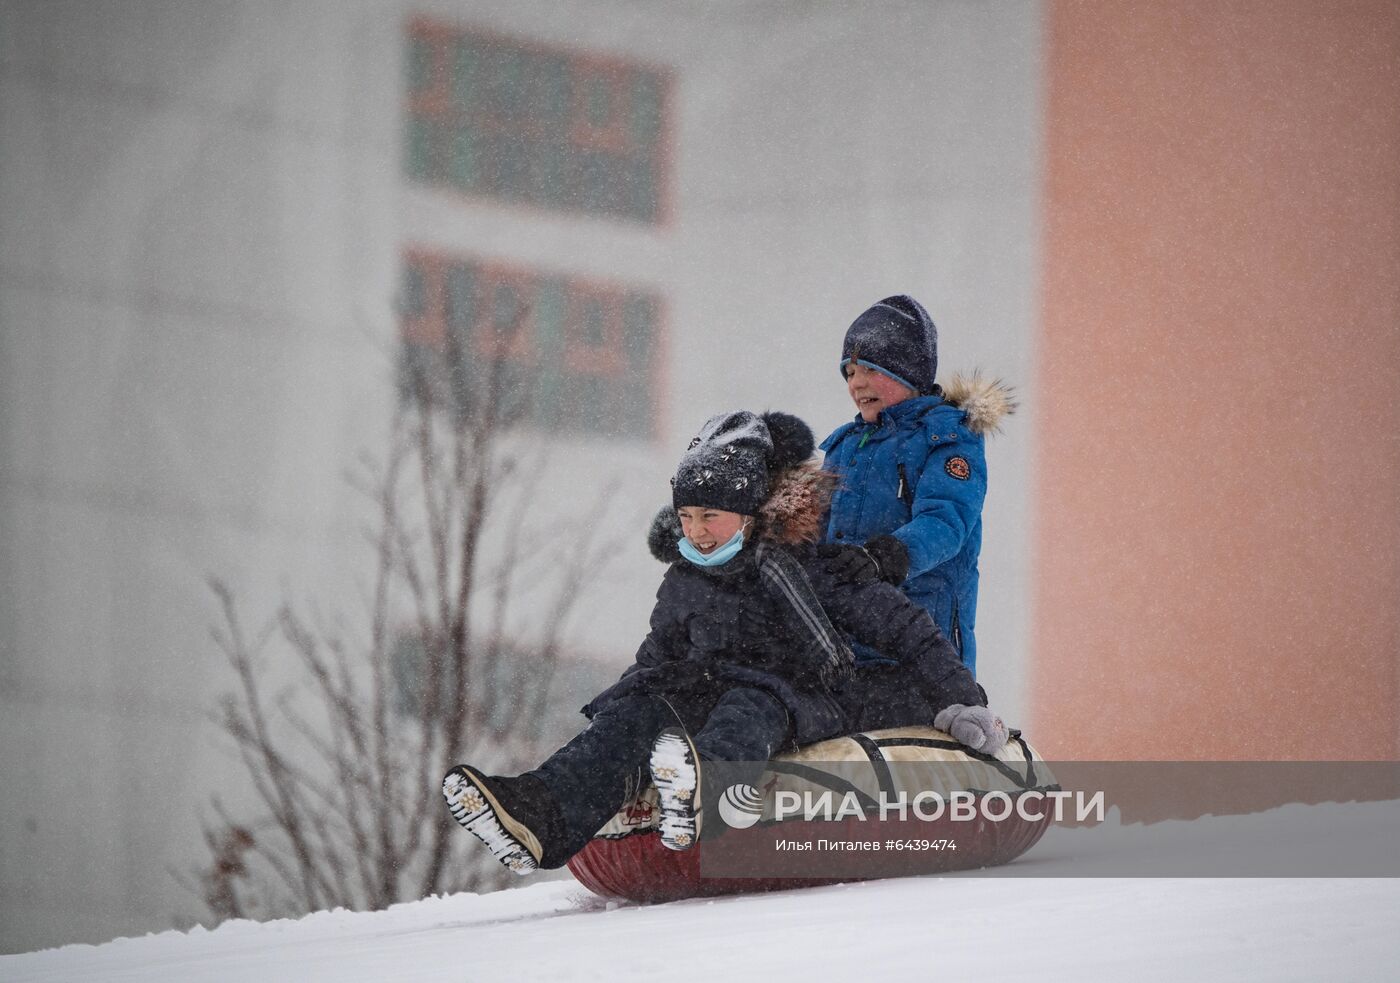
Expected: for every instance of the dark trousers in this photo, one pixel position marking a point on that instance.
(748, 726)
(601, 769)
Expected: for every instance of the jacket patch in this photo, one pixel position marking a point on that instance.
(958, 468)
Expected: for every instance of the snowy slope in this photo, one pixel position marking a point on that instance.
(999, 928)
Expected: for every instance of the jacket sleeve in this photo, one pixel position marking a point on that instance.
(881, 616)
(948, 496)
(665, 640)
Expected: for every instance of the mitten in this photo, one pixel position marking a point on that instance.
(850, 564)
(977, 727)
(883, 558)
(892, 557)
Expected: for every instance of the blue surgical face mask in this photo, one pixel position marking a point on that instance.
(721, 555)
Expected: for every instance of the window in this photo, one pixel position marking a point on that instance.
(566, 354)
(547, 127)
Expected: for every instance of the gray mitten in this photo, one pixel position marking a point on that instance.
(977, 727)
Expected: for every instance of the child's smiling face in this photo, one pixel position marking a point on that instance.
(872, 391)
(708, 529)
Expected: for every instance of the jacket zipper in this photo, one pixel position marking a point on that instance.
(906, 490)
(957, 629)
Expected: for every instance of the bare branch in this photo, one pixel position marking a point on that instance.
(343, 766)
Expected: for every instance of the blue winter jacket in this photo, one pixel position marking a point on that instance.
(919, 473)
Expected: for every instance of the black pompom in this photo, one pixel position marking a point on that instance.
(663, 538)
(793, 442)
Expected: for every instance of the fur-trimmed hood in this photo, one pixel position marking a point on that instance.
(985, 402)
(792, 514)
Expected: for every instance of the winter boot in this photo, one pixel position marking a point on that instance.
(516, 818)
(675, 770)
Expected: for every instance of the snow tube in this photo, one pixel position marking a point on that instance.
(625, 859)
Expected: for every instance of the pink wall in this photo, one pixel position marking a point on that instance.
(1218, 439)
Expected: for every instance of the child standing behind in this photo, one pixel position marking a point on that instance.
(913, 472)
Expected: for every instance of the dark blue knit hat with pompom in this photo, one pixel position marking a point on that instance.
(730, 463)
(897, 337)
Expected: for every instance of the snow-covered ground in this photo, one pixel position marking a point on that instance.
(959, 926)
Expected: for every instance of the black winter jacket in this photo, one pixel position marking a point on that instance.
(716, 628)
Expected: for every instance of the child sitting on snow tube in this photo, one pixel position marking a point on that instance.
(745, 652)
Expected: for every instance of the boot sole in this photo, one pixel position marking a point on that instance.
(477, 811)
(677, 778)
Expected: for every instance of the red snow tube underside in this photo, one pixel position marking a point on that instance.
(627, 860)
(639, 868)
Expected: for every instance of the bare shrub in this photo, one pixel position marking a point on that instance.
(346, 761)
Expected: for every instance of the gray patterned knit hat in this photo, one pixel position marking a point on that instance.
(729, 463)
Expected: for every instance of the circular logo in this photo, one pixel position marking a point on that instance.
(958, 468)
(740, 806)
